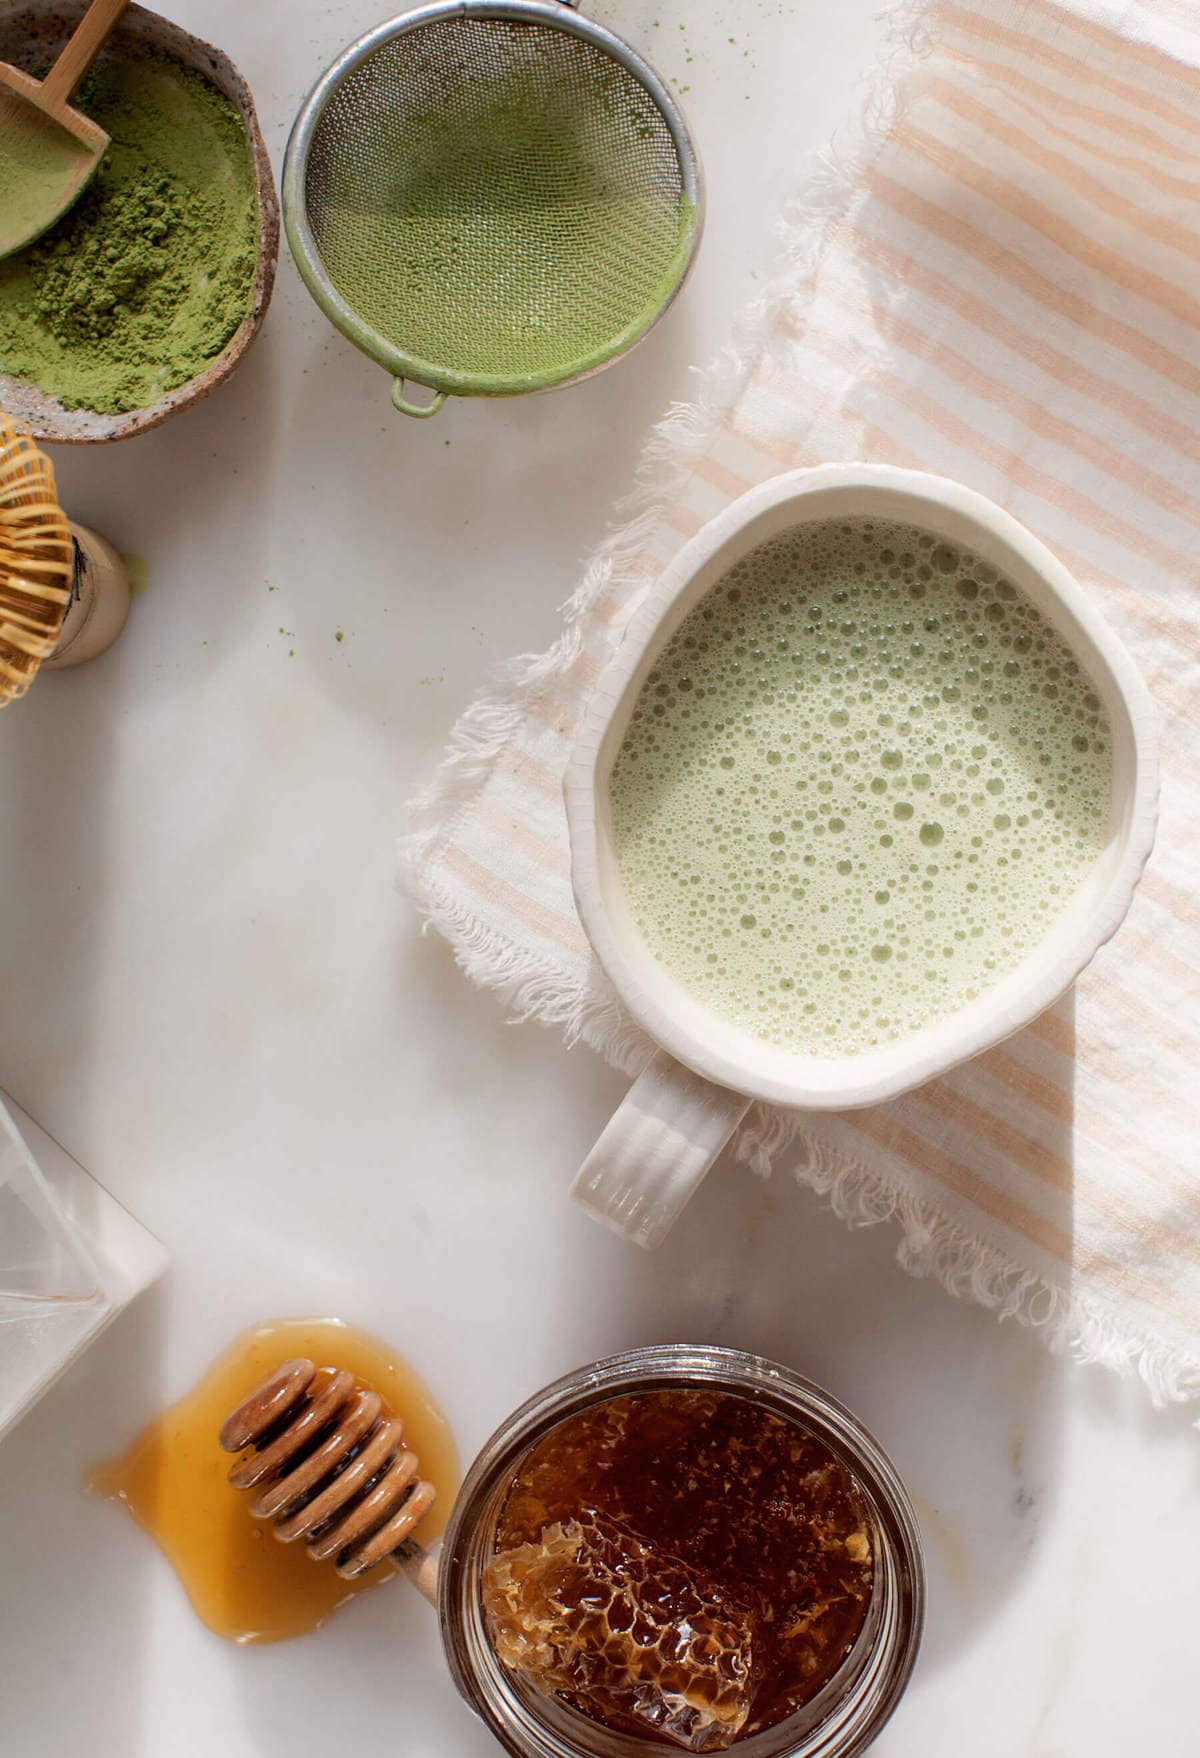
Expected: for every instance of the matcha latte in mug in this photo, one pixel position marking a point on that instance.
(867, 784)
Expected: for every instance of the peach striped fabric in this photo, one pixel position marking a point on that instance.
(1005, 291)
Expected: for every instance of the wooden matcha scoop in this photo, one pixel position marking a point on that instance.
(49, 151)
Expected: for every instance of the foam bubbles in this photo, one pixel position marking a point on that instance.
(858, 785)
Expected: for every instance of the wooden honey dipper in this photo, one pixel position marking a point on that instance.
(331, 1468)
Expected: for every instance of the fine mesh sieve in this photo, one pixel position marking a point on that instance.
(490, 197)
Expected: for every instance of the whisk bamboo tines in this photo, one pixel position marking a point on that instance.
(37, 561)
(330, 1466)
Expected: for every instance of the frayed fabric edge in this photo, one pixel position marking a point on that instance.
(930, 1246)
(1071, 1323)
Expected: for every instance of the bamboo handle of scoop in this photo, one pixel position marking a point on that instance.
(91, 34)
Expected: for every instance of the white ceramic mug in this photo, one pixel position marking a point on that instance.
(683, 1108)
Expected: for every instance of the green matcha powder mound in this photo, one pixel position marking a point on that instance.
(148, 276)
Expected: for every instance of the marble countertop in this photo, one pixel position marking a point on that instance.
(213, 997)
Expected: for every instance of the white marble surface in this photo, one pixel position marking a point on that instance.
(210, 993)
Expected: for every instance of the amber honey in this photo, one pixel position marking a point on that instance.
(681, 1548)
(174, 1480)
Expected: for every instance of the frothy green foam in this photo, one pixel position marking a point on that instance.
(861, 781)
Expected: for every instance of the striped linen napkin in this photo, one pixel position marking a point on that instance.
(1001, 287)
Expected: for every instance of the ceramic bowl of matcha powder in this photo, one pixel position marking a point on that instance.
(147, 294)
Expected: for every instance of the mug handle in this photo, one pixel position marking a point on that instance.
(656, 1149)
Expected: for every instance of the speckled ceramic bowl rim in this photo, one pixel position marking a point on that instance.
(723, 1053)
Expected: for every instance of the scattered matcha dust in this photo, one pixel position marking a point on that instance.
(147, 277)
(138, 572)
(40, 164)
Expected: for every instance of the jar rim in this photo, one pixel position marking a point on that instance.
(467, 1545)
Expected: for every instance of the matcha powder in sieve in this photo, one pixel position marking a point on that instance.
(145, 280)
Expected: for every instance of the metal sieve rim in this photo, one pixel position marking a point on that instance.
(556, 15)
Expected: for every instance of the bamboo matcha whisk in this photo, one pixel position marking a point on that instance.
(37, 561)
(64, 591)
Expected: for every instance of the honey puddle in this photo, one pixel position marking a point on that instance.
(242, 1582)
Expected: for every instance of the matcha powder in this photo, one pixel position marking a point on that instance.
(148, 276)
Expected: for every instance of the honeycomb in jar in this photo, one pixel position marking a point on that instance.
(737, 1494)
(626, 1633)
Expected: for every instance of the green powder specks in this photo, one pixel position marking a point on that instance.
(149, 275)
(139, 574)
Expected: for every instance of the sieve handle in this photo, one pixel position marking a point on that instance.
(422, 411)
